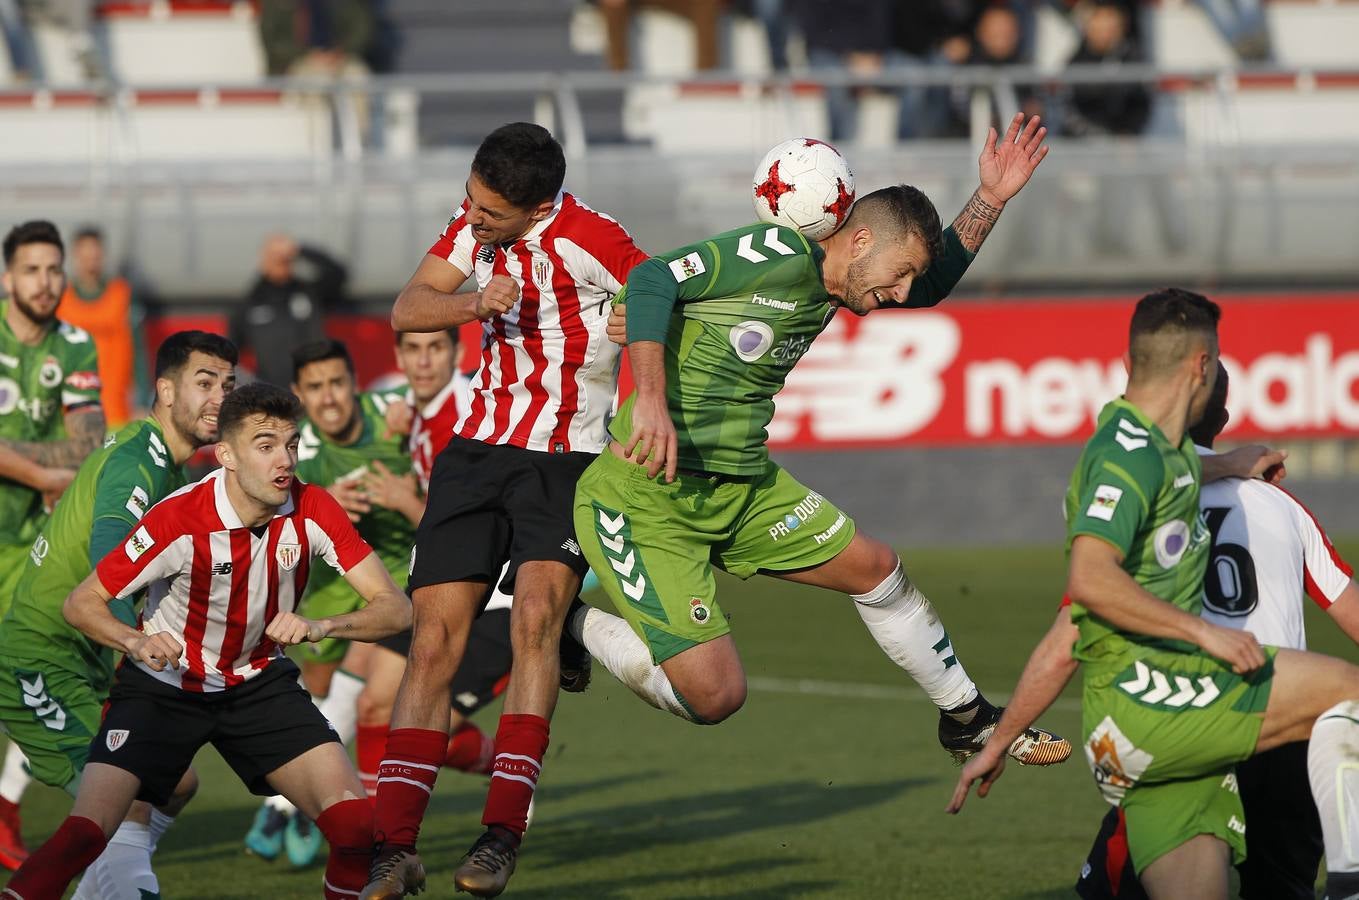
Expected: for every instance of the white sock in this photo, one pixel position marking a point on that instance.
(123, 870)
(908, 630)
(15, 778)
(1333, 769)
(280, 803)
(613, 642)
(160, 823)
(340, 705)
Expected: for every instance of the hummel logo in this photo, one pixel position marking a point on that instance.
(570, 546)
(221, 568)
(11, 362)
(1184, 480)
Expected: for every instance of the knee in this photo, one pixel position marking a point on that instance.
(183, 793)
(316, 678)
(348, 825)
(882, 562)
(535, 624)
(373, 708)
(713, 703)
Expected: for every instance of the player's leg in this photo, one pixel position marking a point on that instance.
(325, 787)
(651, 544)
(123, 871)
(14, 780)
(483, 676)
(1195, 870)
(1283, 843)
(374, 707)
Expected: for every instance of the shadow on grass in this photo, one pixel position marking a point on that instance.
(678, 885)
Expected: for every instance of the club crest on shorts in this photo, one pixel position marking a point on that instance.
(288, 555)
(698, 611)
(115, 738)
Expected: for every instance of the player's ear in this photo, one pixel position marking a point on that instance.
(543, 210)
(165, 391)
(222, 451)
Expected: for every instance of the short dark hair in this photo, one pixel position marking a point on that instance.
(174, 352)
(258, 398)
(316, 351)
(88, 231)
(521, 162)
(1162, 324)
(903, 207)
(38, 231)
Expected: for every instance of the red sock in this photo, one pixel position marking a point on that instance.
(406, 782)
(520, 743)
(370, 744)
(348, 827)
(77, 843)
(470, 750)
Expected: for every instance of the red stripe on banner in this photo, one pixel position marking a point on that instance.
(196, 619)
(576, 344)
(238, 607)
(531, 334)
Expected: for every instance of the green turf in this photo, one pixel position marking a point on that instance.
(798, 795)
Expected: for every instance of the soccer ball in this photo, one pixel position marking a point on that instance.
(804, 184)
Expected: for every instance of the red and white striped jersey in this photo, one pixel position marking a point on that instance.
(548, 372)
(1268, 553)
(214, 584)
(432, 426)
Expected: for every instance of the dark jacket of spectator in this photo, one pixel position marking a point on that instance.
(1107, 108)
(285, 308)
(846, 26)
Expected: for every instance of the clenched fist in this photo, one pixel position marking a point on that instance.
(157, 650)
(498, 297)
(290, 628)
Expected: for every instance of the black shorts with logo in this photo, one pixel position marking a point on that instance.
(485, 668)
(153, 730)
(492, 503)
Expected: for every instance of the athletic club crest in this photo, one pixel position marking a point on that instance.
(288, 555)
(542, 272)
(115, 738)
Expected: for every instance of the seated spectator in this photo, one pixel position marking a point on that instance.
(103, 305)
(326, 38)
(852, 36)
(997, 39)
(775, 17)
(1107, 108)
(285, 307)
(1242, 23)
(618, 24)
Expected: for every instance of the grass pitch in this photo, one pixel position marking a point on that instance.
(829, 784)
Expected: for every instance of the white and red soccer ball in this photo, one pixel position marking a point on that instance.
(804, 184)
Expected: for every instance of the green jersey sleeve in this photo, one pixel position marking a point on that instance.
(127, 484)
(1115, 497)
(750, 259)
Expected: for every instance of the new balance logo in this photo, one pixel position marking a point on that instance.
(486, 254)
(570, 546)
(1154, 688)
(221, 568)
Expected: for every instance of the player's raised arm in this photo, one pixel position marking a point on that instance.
(1045, 676)
(1254, 461)
(387, 610)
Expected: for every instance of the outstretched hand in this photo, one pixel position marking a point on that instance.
(1006, 165)
(987, 764)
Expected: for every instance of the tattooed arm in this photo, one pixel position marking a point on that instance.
(1005, 167)
(85, 427)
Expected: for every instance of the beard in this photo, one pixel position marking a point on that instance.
(856, 288)
(35, 310)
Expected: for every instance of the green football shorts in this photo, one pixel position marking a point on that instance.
(1174, 723)
(653, 545)
(52, 714)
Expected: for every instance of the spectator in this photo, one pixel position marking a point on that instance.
(997, 39)
(1107, 108)
(847, 35)
(1242, 23)
(283, 308)
(103, 306)
(327, 38)
(773, 16)
(618, 20)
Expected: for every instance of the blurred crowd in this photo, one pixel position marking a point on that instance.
(871, 37)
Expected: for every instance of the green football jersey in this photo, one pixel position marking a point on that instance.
(1135, 490)
(323, 462)
(37, 385)
(119, 481)
(749, 304)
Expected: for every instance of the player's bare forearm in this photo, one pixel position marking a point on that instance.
(1245, 462)
(1046, 675)
(15, 466)
(1097, 582)
(422, 308)
(85, 428)
(648, 368)
(978, 217)
(87, 610)
(1344, 611)
(386, 613)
